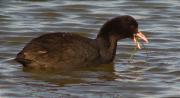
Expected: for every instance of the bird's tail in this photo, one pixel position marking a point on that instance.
(21, 59)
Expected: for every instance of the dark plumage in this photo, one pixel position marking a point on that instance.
(67, 50)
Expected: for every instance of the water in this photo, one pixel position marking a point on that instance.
(155, 76)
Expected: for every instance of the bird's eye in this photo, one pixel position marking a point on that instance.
(132, 27)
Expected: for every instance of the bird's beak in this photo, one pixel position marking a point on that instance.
(139, 35)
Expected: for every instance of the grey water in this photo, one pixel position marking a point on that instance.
(156, 75)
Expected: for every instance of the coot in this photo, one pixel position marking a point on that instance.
(69, 50)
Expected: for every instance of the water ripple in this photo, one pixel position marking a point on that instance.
(155, 76)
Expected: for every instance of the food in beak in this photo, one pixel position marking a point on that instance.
(137, 36)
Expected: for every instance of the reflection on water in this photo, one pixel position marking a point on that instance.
(83, 75)
(156, 77)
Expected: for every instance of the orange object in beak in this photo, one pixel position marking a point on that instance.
(139, 35)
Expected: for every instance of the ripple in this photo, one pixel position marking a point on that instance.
(155, 76)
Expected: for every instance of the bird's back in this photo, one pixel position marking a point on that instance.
(59, 50)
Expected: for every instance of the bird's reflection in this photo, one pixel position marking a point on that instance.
(74, 76)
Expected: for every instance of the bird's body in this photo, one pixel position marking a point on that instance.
(64, 49)
(69, 50)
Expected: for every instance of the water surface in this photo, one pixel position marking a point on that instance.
(155, 76)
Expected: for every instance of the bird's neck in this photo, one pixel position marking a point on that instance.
(107, 47)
